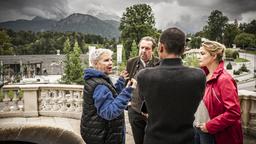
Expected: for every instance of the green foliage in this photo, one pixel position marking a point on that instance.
(21, 94)
(238, 60)
(191, 60)
(73, 69)
(250, 52)
(229, 66)
(137, 21)
(27, 42)
(5, 45)
(134, 51)
(10, 94)
(231, 54)
(230, 32)
(236, 72)
(195, 42)
(216, 23)
(243, 68)
(248, 28)
(245, 40)
(1, 95)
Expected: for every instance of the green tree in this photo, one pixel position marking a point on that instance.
(230, 32)
(134, 50)
(137, 21)
(195, 42)
(67, 49)
(251, 27)
(5, 44)
(245, 40)
(214, 29)
(76, 71)
(73, 70)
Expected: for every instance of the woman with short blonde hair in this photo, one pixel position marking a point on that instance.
(221, 97)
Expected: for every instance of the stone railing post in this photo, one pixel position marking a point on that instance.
(248, 110)
(30, 100)
(245, 108)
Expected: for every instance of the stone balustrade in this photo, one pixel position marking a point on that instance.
(42, 100)
(248, 110)
(59, 100)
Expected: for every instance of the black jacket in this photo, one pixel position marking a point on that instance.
(134, 65)
(94, 129)
(172, 93)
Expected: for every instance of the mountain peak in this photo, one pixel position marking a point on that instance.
(75, 22)
(103, 15)
(79, 15)
(38, 18)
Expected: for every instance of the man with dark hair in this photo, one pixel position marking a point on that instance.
(137, 119)
(172, 93)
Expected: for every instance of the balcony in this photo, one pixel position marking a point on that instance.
(50, 113)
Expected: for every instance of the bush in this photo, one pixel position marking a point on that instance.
(229, 66)
(236, 72)
(10, 94)
(235, 54)
(21, 94)
(191, 60)
(231, 54)
(243, 68)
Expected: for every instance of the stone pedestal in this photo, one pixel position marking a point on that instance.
(30, 100)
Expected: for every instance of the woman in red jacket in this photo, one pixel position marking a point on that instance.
(221, 99)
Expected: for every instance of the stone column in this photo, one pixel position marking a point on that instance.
(30, 100)
(245, 109)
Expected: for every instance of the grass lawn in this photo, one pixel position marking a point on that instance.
(238, 60)
(250, 52)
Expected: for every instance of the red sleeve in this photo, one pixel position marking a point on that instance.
(229, 97)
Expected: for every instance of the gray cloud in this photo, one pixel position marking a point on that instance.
(15, 9)
(231, 8)
(190, 15)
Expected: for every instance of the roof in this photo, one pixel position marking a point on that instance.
(29, 59)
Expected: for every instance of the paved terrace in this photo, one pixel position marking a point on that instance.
(50, 113)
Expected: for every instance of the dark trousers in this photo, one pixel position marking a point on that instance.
(138, 124)
(203, 138)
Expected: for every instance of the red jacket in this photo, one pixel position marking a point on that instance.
(222, 102)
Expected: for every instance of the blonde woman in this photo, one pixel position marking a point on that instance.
(221, 98)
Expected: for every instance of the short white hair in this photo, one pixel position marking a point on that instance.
(95, 55)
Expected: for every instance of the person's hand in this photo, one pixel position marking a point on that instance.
(144, 114)
(203, 127)
(132, 83)
(124, 74)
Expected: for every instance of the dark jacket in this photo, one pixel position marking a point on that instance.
(172, 93)
(134, 65)
(103, 118)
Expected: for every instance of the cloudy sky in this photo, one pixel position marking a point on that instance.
(190, 15)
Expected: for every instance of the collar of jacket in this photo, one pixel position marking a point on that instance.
(171, 61)
(217, 71)
(153, 60)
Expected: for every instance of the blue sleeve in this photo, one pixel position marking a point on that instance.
(107, 106)
(120, 84)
